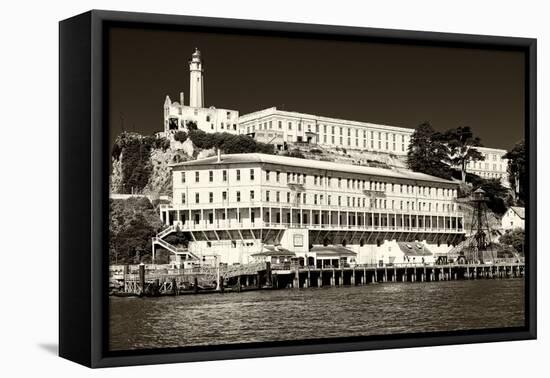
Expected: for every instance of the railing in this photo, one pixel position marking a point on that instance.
(297, 207)
(225, 225)
(166, 231)
(173, 248)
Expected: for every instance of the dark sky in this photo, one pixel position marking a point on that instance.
(391, 84)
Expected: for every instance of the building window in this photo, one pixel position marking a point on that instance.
(290, 125)
(224, 196)
(183, 177)
(197, 176)
(211, 176)
(182, 197)
(197, 197)
(267, 175)
(238, 175)
(267, 195)
(238, 196)
(288, 197)
(224, 175)
(252, 195)
(280, 124)
(278, 176)
(210, 197)
(251, 175)
(315, 199)
(278, 196)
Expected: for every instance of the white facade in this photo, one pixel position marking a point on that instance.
(329, 132)
(196, 81)
(513, 218)
(493, 167)
(233, 205)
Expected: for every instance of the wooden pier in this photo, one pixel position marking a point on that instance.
(196, 280)
(304, 277)
(258, 276)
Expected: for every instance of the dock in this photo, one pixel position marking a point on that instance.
(264, 276)
(363, 275)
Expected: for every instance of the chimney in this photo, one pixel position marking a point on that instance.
(181, 98)
(219, 155)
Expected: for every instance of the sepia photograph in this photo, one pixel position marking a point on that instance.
(276, 188)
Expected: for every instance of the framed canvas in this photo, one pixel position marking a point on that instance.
(234, 188)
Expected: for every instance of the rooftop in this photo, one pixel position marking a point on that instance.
(332, 250)
(414, 249)
(520, 211)
(315, 164)
(329, 120)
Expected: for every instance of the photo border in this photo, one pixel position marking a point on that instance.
(84, 97)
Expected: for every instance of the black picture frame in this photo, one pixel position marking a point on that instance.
(84, 196)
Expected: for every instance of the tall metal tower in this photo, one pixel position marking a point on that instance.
(478, 246)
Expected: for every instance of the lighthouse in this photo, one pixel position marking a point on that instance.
(196, 84)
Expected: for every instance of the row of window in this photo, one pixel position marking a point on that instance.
(351, 184)
(380, 135)
(197, 175)
(319, 199)
(383, 139)
(486, 166)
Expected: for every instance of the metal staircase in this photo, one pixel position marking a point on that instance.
(158, 240)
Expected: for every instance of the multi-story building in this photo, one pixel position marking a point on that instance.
(494, 166)
(325, 131)
(236, 206)
(177, 115)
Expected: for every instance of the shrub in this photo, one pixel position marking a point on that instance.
(296, 154)
(229, 143)
(180, 136)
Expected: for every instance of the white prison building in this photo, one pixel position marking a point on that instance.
(296, 127)
(493, 167)
(242, 205)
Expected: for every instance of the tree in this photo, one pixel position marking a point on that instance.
(427, 153)
(133, 222)
(461, 145)
(515, 238)
(517, 170)
(136, 165)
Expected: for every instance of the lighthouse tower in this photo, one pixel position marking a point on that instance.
(196, 86)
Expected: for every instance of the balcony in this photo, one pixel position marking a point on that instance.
(297, 207)
(205, 225)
